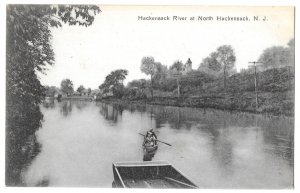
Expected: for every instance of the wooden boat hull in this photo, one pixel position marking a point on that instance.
(150, 149)
(149, 175)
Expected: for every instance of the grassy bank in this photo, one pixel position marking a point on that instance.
(275, 92)
(269, 103)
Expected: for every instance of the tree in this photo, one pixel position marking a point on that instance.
(66, 86)
(51, 90)
(177, 66)
(28, 49)
(278, 56)
(274, 57)
(222, 59)
(210, 65)
(80, 89)
(226, 58)
(89, 91)
(141, 84)
(160, 75)
(114, 82)
(149, 67)
(176, 69)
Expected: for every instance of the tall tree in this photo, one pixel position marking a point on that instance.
(274, 57)
(149, 67)
(51, 90)
(177, 66)
(210, 65)
(222, 59)
(80, 89)
(160, 74)
(226, 58)
(89, 91)
(114, 82)
(278, 56)
(28, 49)
(66, 86)
(141, 84)
(176, 70)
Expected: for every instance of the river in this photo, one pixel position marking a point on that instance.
(80, 140)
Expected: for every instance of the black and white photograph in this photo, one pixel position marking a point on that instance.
(149, 96)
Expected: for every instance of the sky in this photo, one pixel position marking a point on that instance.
(118, 40)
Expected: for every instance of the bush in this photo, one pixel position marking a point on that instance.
(135, 94)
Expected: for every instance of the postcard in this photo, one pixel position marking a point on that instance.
(150, 96)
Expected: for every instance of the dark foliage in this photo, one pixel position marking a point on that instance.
(28, 49)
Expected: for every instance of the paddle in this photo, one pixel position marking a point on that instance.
(158, 140)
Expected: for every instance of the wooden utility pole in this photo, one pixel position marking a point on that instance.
(255, 83)
(177, 76)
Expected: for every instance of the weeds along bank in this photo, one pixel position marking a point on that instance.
(274, 92)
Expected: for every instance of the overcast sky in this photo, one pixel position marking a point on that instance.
(118, 40)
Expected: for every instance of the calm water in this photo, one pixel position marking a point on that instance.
(215, 149)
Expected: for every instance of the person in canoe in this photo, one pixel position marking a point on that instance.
(149, 145)
(150, 139)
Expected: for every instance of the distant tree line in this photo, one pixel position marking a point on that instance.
(216, 74)
(67, 88)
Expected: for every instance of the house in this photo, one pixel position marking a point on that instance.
(85, 92)
(76, 93)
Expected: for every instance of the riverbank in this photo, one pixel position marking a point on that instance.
(78, 98)
(269, 104)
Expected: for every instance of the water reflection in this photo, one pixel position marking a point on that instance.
(66, 106)
(217, 149)
(49, 103)
(111, 112)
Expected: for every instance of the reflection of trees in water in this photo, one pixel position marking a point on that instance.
(135, 107)
(222, 148)
(111, 112)
(66, 107)
(277, 132)
(280, 137)
(175, 116)
(21, 146)
(49, 104)
(81, 104)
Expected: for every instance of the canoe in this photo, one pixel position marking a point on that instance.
(152, 174)
(150, 149)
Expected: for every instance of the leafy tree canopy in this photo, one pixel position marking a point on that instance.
(51, 90)
(177, 65)
(141, 84)
(161, 73)
(67, 86)
(28, 49)
(148, 66)
(89, 91)
(115, 78)
(29, 42)
(80, 89)
(278, 56)
(223, 58)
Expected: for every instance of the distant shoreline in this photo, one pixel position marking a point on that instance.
(194, 103)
